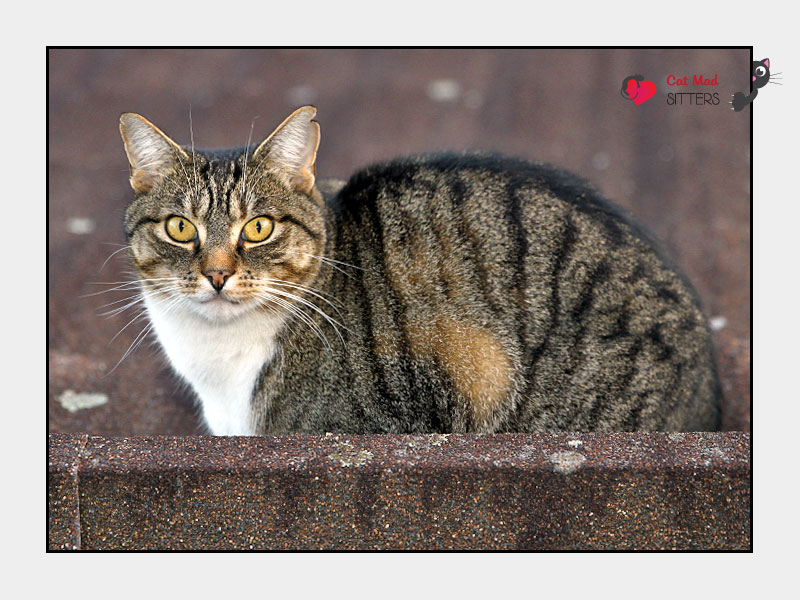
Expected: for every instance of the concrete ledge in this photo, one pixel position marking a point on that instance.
(522, 491)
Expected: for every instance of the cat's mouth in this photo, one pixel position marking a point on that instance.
(219, 299)
(220, 306)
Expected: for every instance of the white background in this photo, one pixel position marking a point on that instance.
(767, 572)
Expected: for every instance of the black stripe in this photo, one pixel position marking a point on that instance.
(141, 222)
(638, 273)
(228, 194)
(459, 191)
(212, 194)
(620, 325)
(430, 222)
(569, 236)
(400, 399)
(664, 292)
(631, 421)
(665, 351)
(669, 394)
(361, 251)
(532, 354)
(599, 275)
(514, 217)
(236, 175)
(292, 220)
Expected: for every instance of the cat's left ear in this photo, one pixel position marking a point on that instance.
(766, 62)
(291, 149)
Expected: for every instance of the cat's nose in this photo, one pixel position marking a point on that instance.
(218, 277)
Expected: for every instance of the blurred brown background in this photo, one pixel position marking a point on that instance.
(683, 170)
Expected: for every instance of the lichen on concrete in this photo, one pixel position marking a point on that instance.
(566, 462)
(437, 439)
(348, 456)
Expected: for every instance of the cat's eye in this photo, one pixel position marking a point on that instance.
(257, 230)
(760, 71)
(180, 230)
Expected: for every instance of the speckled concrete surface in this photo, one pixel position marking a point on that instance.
(63, 518)
(521, 492)
(684, 171)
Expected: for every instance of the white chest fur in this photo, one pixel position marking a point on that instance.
(221, 361)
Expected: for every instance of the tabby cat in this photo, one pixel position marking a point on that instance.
(440, 293)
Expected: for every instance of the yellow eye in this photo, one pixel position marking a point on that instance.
(180, 230)
(257, 230)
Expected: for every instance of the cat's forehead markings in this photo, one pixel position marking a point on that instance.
(187, 201)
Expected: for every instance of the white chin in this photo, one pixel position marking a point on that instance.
(219, 309)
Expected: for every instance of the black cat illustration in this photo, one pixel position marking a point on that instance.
(760, 77)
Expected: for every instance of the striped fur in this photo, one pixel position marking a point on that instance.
(463, 292)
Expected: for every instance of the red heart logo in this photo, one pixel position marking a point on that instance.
(640, 91)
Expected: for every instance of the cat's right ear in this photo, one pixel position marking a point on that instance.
(151, 153)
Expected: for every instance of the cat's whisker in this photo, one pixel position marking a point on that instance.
(331, 321)
(301, 299)
(256, 170)
(130, 301)
(142, 334)
(334, 323)
(296, 311)
(338, 262)
(184, 189)
(194, 157)
(137, 295)
(120, 288)
(299, 313)
(136, 317)
(329, 262)
(131, 280)
(110, 256)
(126, 285)
(135, 344)
(246, 160)
(117, 311)
(774, 83)
(176, 301)
(313, 291)
(262, 175)
(183, 167)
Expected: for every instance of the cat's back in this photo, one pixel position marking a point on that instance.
(540, 302)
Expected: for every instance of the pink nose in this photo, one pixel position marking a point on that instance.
(217, 277)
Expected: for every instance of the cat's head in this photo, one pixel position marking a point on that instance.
(759, 73)
(223, 233)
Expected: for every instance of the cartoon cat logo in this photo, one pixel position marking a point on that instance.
(637, 89)
(760, 77)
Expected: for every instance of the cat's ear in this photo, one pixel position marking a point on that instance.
(291, 149)
(766, 62)
(151, 153)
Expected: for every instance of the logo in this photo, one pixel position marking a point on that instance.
(637, 89)
(761, 76)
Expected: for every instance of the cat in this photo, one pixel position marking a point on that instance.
(438, 293)
(759, 72)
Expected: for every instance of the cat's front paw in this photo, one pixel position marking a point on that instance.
(739, 101)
